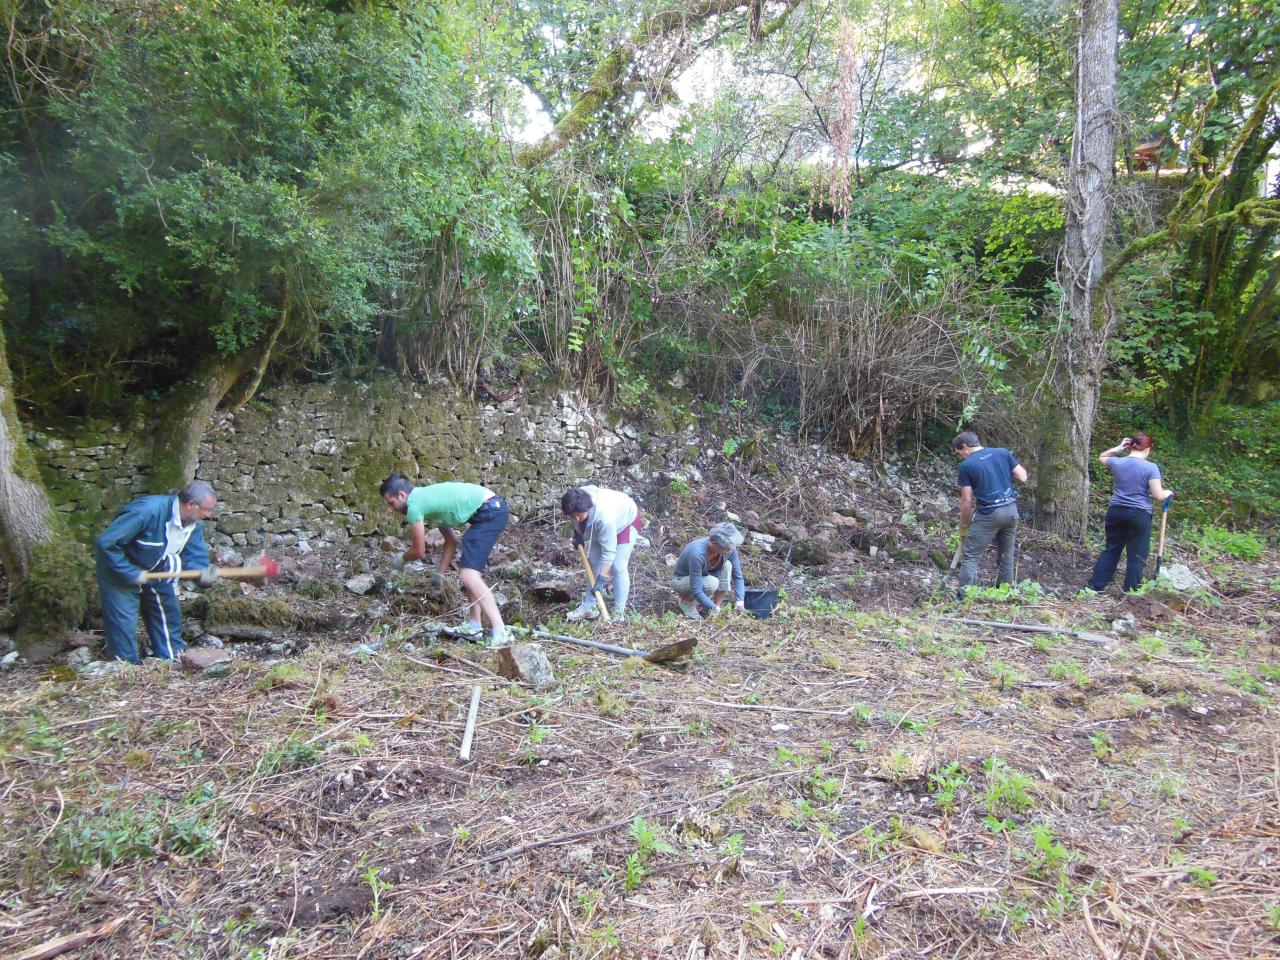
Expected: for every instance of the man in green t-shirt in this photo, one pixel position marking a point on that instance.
(449, 505)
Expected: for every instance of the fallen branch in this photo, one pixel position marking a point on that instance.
(948, 892)
(1032, 628)
(71, 941)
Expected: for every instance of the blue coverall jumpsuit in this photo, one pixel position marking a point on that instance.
(145, 535)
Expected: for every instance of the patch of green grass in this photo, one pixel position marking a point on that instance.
(118, 834)
(293, 754)
(1018, 594)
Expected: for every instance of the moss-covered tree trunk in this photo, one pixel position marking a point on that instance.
(1062, 491)
(184, 415)
(48, 571)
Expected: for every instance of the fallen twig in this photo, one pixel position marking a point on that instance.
(71, 941)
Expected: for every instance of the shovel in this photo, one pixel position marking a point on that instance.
(591, 580)
(267, 569)
(1164, 518)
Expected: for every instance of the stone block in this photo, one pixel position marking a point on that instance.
(526, 662)
(205, 660)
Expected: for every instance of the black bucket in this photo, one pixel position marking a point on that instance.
(760, 603)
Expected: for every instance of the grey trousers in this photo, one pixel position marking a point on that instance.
(998, 525)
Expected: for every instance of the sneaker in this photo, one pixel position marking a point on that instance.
(469, 629)
(689, 609)
(499, 637)
(582, 612)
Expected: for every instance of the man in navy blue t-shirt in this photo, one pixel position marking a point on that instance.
(988, 506)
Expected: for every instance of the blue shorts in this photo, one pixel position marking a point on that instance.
(483, 530)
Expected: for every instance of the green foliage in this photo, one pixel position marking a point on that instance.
(1024, 592)
(1007, 790)
(293, 754)
(1215, 541)
(946, 784)
(117, 834)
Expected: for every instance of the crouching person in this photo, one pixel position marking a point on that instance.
(153, 534)
(449, 505)
(607, 522)
(706, 569)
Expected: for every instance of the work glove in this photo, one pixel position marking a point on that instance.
(140, 579)
(715, 609)
(397, 562)
(437, 581)
(740, 606)
(208, 577)
(577, 538)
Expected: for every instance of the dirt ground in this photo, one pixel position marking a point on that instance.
(859, 776)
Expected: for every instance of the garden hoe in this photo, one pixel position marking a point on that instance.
(591, 581)
(265, 569)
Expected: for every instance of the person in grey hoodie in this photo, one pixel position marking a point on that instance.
(708, 565)
(607, 522)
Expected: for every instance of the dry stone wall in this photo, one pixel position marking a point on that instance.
(300, 466)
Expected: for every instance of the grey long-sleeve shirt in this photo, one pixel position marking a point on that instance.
(611, 513)
(693, 564)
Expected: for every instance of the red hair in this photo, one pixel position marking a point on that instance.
(1142, 442)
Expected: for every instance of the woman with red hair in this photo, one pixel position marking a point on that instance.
(1136, 483)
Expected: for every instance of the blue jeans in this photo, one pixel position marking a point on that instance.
(1128, 529)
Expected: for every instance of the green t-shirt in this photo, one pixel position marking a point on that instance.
(445, 504)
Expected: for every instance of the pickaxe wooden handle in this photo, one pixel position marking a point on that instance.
(265, 570)
(955, 561)
(591, 579)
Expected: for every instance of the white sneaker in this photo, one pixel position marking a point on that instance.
(469, 629)
(499, 637)
(582, 612)
(689, 609)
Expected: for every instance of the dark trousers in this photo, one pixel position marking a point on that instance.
(1128, 528)
(1000, 525)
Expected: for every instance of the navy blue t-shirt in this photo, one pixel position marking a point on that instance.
(990, 473)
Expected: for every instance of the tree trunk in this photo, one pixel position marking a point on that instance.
(1063, 489)
(48, 571)
(183, 416)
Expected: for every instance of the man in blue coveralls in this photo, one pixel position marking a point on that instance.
(152, 534)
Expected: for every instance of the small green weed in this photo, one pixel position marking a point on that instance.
(1071, 671)
(1103, 748)
(1202, 877)
(945, 784)
(1007, 790)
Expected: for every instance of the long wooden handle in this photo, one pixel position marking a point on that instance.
(232, 573)
(955, 561)
(591, 581)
